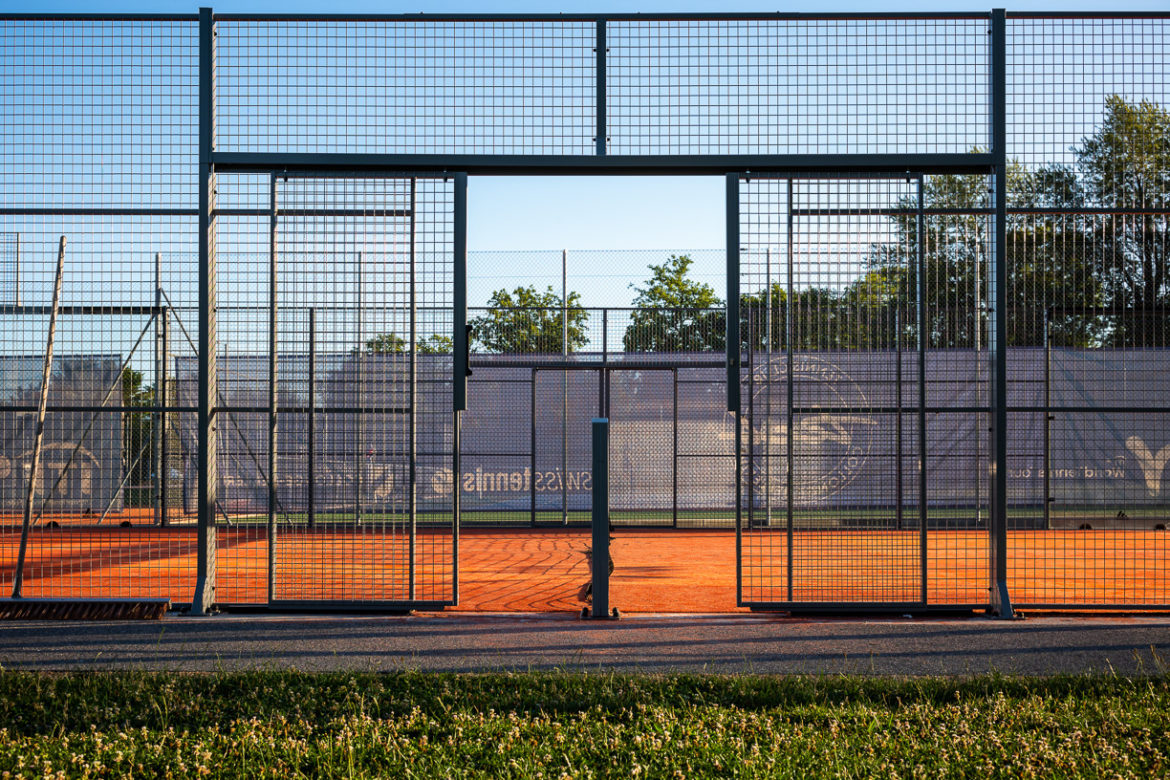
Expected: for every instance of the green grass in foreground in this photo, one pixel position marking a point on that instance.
(276, 724)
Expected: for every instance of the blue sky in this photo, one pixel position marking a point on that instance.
(585, 213)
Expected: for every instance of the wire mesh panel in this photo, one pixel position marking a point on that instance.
(562, 479)
(835, 509)
(487, 87)
(363, 426)
(98, 147)
(1088, 263)
(796, 86)
(643, 428)
(705, 449)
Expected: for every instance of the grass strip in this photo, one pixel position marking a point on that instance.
(552, 725)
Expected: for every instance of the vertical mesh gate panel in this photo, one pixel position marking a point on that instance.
(837, 507)
(1088, 258)
(363, 359)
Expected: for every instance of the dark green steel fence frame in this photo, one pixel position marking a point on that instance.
(992, 163)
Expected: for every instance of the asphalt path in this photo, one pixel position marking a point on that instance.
(644, 643)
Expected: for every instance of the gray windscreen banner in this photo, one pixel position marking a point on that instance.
(672, 441)
(81, 453)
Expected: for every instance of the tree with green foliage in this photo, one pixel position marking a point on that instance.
(434, 344)
(526, 321)
(386, 342)
(1126, 165)
(1048, 266)
(675, 313)
(1061, 266)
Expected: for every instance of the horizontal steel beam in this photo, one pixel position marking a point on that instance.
(67, 211)
(857, 606)
(96, 309)
(111, 17)
(91, 409)
(400, 410)
(726, 16)
(598, 365)
(610, 164)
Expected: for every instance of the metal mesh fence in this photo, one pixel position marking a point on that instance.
(865, 321)
(861, 326)
(98, 146)
(467, 87)
(1089, 201)
(796, 86)
(334, 369)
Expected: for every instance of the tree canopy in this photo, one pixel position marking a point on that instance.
(1074, 277)
(434, 344)
(674, 312)
(526, 321)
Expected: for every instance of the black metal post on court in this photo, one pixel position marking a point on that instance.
(1047, 444)
(532, 445)
(599, 557)
(674, 450)
(156, 422)
(311, 444)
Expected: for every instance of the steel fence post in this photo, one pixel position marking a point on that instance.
(272, 400)
(1047, 424)
(460, 363)
(157, 418)
(997, 321)
(204, 595)
(600, 551)
(164, 420)
(790, 395)
(412, 433)
(311, 471)
(923, 340)
(601, 51)
(731, 334)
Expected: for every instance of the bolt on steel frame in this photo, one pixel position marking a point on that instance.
(898, 217)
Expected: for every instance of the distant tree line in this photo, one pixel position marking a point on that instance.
(1086, 278)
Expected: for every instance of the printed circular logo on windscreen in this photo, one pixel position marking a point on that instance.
(830, 443)
(441, 482)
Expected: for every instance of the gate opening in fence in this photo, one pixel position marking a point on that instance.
(934, 381)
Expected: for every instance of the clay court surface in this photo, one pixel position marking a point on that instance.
(537, 570)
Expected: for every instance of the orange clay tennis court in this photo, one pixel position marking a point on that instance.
(539, 570)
